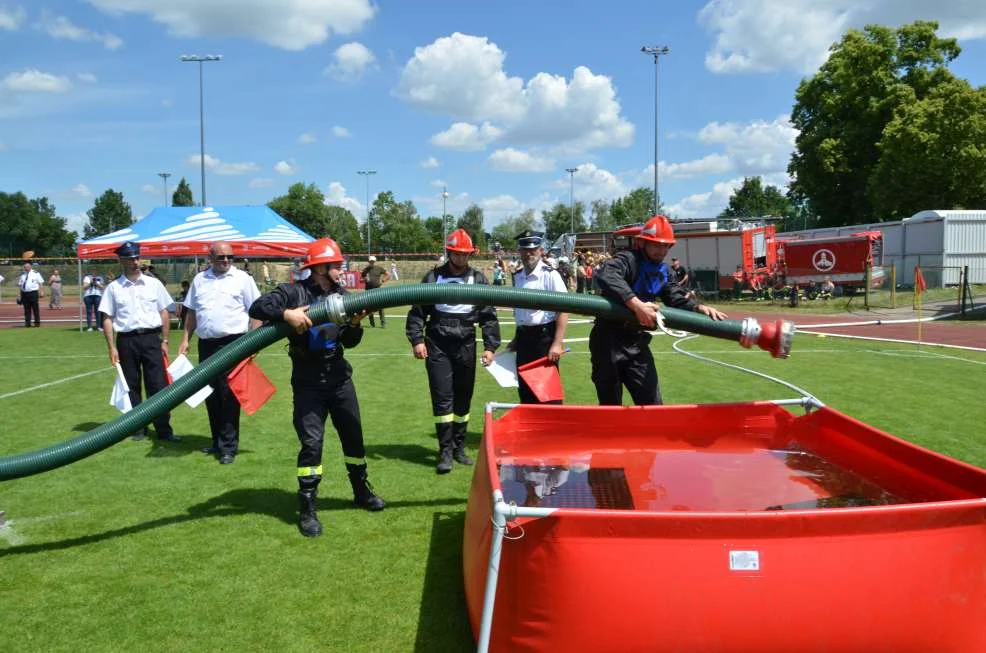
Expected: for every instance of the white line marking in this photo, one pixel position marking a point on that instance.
(48, 385)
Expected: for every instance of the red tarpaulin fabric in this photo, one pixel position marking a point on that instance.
(543, 379)
(919, 285)
(251, 386)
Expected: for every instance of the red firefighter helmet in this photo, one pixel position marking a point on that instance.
(459, 241)
(323, 250)
(657, 230)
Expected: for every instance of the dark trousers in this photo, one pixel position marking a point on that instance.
(383, 322)
(141, 356)
(30, 302)
(332, 395)
(532, 343)
(92, 314)
(222, 405)
(620, 358)
(451, 366)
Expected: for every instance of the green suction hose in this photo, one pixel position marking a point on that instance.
(774, 338)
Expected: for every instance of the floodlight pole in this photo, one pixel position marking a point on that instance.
(185, 58)
(656, 51)
(571, 195)
(444, 216)
(366, 174)
(164, 176)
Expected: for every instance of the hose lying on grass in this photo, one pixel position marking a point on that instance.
(773, 337)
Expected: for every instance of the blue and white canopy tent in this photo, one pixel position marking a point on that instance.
(187, 231)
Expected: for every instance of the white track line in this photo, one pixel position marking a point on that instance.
(48, 385)
(903, 342)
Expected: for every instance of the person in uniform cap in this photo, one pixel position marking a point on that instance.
(539, 333)
(216, 306)
(321, 379)
(444, 336)
(620, 351)
(32, 287)
(135, 309)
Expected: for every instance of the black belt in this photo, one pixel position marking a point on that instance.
(139, 332)
(230, 337)
(535, 328)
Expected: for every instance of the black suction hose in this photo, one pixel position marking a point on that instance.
(774, 338)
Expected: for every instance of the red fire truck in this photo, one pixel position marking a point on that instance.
(843, 259)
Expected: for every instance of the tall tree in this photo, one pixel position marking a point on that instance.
(31, 224)
(933, 153)
(304, 207)
(505, 232)
(601, 216)
(472, 221)
(396, 226)
(182, 195)
(841, 113)
(638, 206)
(558, 220)
(343, 227)
(110, 213)
(754, 200)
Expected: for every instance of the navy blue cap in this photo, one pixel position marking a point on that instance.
(529, 239)
(129, 249)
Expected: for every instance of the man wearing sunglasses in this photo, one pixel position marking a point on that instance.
(135, 309)
(217, 305)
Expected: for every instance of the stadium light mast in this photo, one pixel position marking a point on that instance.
(194, 58)
(656, 51)
(164, 176)
(444, 216)
(366, 174)
(571, 195)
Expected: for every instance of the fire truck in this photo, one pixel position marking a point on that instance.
(843, 259)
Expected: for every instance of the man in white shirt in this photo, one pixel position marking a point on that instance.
(135, 307)
(32, 286)
(539, 333)
(217, 303)
(92, 290)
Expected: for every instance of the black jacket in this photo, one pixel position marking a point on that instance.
(271, 307)
(617, 277)
(422, 319)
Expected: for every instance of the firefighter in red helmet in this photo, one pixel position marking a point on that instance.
(444, 335)
(321, 379)
(620, 352)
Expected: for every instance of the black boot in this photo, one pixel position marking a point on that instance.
(445, 447)
(308, 522)
(459, 444)
(363, 495)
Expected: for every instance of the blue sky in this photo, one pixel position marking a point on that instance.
(494, 100)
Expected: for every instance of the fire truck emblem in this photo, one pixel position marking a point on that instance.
(823, 260)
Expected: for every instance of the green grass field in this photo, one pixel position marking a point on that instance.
(157, 548)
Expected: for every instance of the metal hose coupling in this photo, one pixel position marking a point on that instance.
(335, 309)
(774, 337)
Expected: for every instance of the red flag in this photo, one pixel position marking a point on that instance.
(167, 364)
(919, 285)
(250, 385)
(542, 377)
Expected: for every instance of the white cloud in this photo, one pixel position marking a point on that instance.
(261, 182)
(766, 35)
(76, 222)
(467, 137)
(307, 138)
(437, 183)
(151, 189)
(510, 160)
(287, 167)
(11, 19)
(350, 61)
(429, 163)
(340, 132)
(223, 168)
(501, 204)
(754, 148)
(289, 24)
(705, 205)
(462, 76)
(336, 196)
(87, 78)
(592, 182)
(60, 27)
(33, 80)
(81, 190)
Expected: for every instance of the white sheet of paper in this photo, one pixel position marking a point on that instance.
(504, 369)
(120, 395)
(179, 368)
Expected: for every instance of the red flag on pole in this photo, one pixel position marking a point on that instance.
(250, 385)
(542, 377)
(919, 285)
(167, 372)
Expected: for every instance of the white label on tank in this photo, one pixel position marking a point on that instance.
(744, 561)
